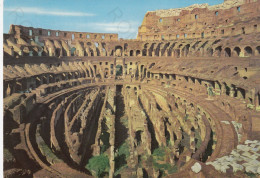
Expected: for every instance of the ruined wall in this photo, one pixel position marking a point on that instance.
(201, 21)
(19, 31)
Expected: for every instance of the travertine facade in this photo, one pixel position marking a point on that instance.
(80, 104)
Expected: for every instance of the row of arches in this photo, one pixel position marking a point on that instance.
(238, 52)
(177, 49)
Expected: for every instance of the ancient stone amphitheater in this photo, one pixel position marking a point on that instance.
(181, 100)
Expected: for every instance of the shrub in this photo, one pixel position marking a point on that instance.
(98, 165)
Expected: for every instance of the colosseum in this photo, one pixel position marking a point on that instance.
(180, 100)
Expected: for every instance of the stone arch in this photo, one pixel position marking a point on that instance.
(104, 51)
(131, 52)
(170, 51)
(130, 71)
(118, 51)
(58, 52)
(218, 51)
(248, 51)
(144, 52)
(125, 48)
(138, 52)
(112, 53)
(87, 73)
(227, 52)
(164, 49)
(150, 50)
(237, 51)
(119, 70)
(73, 51)
(91, 52)
(210, 52)
(177, 53)
(106, 73)
(185, 50)
(157, 50)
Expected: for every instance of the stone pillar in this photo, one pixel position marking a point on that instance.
(12, 51)
(40, 53)
(50, 52)
(223, 89)
(81, 52)
(242, 53)
(232, 91)
(217, 89)
(257, 98)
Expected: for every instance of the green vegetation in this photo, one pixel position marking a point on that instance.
(98, 165)
(186, 117)
(8, 155)
(124, 121)
(210, 91)
(197, 139)
(159, 161)
(105, 139)
(251, 175)
(46, 151)
(120, 158)
(159, 154)
(124, 150)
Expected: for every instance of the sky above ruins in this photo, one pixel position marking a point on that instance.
(104, 16)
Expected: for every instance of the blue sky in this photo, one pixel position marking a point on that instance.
(104, 16)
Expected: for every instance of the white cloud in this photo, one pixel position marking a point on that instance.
(40, 11)
(118, 27)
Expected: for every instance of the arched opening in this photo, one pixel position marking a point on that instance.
(151, 49)
(237, 51)
(98, 51)
(87, 73)
(119, 70)
(148, 74)
(112, 53)
(145, 70)
(144, 52)
(130, 71)
(241, 93)
(118, 51)
(125, 48)
(185, 50)
(57, 52)
(72, 51)
(177, 53)
(131, 53)
(157, 50)
(138, 52)
(44, 80)
(248, 51)
(218, 51)
(91, 53)
(227, 52)
(210, 52)
(258, 50)
(18, 88)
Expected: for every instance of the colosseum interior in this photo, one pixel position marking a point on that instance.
(180, 100)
